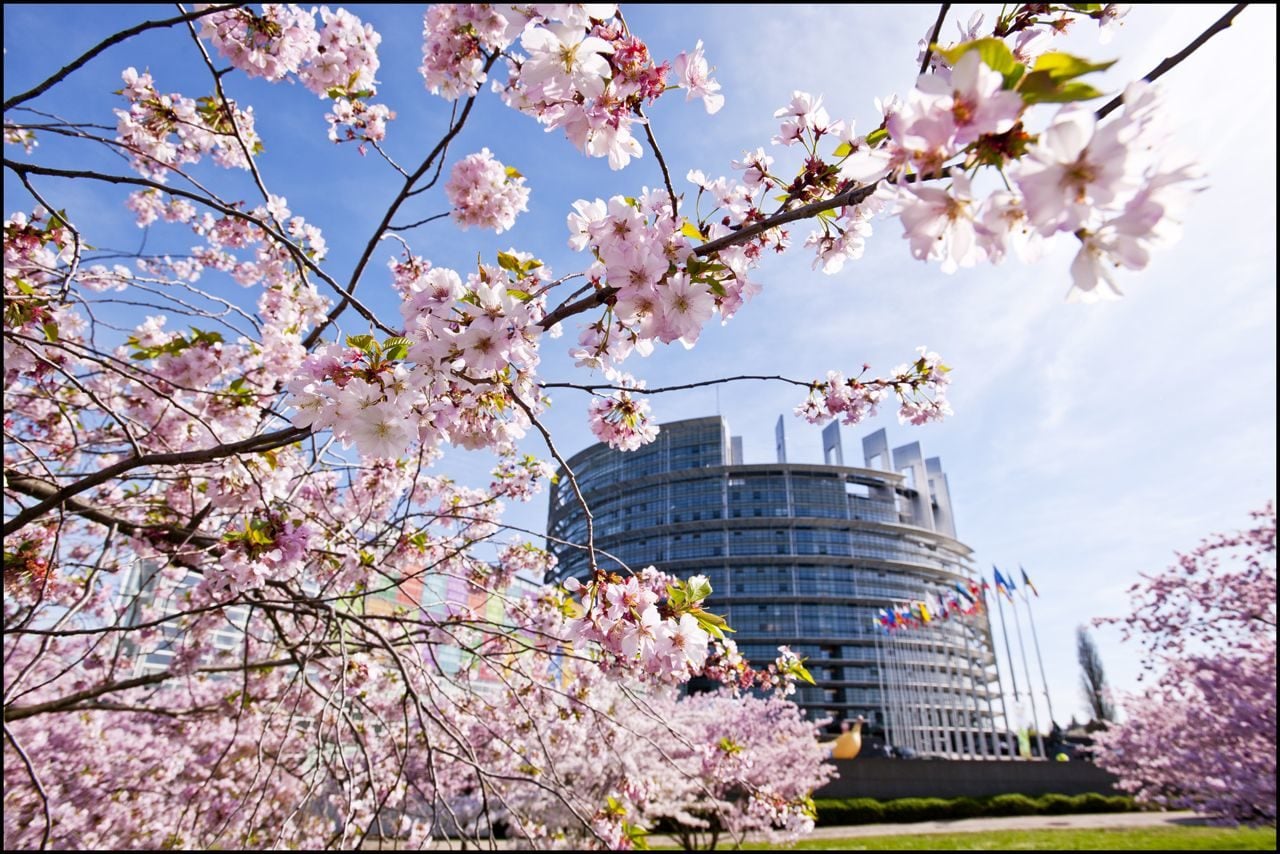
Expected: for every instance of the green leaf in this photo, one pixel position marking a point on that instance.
(50, 331)
(844, 149)
(1064, 66)
(361, 342)
(877, 136)
(691, 231)
(1056, 93)
(712, 624)
(513, 172)
(396, 347)
(637, 835)
(992, 51)
(698, 588)
(507, 261)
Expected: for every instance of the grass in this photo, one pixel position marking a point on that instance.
(1165, 838)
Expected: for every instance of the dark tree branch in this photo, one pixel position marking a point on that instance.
(1170, 61)
(17, 713)
(392, 209)
(933, 39)
(254, 444)
(108, 42)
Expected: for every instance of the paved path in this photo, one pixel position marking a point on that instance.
(1013, 822)
(966, 825)
(977, 825)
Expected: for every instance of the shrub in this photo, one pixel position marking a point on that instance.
(834, 812)
(966, 808)
(1012, 805)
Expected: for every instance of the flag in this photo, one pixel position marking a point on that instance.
(1003, 585)
(964, 593)
(924, 612)
(1024, 742)
(1026, 582)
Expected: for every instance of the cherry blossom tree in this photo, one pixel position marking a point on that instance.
(244, 608)
(1203, 733)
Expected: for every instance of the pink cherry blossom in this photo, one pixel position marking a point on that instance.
(486, 193)
(695, 74)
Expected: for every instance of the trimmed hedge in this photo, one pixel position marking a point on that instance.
(838, 811)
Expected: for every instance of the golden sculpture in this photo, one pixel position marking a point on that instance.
(849, 741)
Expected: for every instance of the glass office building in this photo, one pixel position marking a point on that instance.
(803, 555)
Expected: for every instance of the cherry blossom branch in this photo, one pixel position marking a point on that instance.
(254, 444)
(119, 37)
(17, 713)
(226, 210)
(662, 161)
(933, 39)
(392, 209)
(35, 781)
(37, 488)
(594, 387)
(418, 223)
(853, 196)
(1170, 62)
(235, 126)
(573, 480)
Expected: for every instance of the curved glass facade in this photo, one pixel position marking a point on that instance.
(803, 555)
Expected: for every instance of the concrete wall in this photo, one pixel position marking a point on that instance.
(885, 779)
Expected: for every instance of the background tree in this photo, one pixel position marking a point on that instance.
(1202, 735)
(1093, 679)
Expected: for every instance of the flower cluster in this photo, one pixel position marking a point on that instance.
(457, 40)
(1201, 734)
(338, 61)
(726, 665)
(651, 622)
(920, 387)
(465, 351)
(486, 193)
(162, 132)
(1116, 186)
(661, 290)
(622, 421)
(580, 70)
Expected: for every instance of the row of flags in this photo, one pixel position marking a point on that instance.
(966, 599)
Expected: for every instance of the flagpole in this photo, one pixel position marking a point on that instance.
(955, 738)
(1039, 659)
(906, 695)
(973, 685)
(1004, 708)
(960, 687)
(934, 685)
(1022, 650)
(929, 689)
(884, 703)
(919, 698)
(895, 689)
(1008, 651)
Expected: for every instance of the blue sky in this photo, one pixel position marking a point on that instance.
(1088, 442)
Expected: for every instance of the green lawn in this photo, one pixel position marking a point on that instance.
(1124, 839)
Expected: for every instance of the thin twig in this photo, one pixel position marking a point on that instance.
(933, 39)
(108, 42)
(1169, 62)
